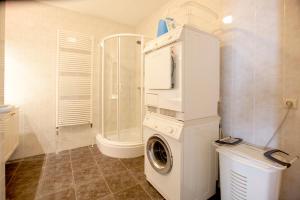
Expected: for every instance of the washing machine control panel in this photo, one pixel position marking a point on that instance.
(170, 127)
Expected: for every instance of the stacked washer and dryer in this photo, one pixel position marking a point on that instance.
(181, 120)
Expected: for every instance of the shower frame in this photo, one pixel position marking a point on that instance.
(121, 144)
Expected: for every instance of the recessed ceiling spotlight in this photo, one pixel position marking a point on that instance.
(227, 19)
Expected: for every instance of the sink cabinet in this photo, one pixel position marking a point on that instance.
(9, 129)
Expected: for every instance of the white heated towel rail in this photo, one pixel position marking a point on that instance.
(74, 92)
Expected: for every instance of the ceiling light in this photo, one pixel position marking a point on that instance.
(227, 19)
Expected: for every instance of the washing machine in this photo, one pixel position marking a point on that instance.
(180, 160)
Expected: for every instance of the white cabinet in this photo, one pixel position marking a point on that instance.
(246, 174)
(9, 129)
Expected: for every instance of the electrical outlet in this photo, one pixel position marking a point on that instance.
(294, 101)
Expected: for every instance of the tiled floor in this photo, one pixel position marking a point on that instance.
(81, 174)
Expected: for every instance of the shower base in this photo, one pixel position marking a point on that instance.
(123, 145)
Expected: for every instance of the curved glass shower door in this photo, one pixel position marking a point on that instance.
(110, 88)
(129, 93)
(122, 89)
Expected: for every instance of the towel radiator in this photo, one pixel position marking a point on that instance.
(74, 78)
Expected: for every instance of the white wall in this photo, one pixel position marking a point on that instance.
(31, 29)
(290, 135)
(252, 69)
(2, 35)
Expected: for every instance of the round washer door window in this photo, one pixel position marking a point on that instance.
(159, 154)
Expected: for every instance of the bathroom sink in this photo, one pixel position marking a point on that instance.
(5, 108)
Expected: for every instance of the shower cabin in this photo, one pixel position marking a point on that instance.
(122, 99)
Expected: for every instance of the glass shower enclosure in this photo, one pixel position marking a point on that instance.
(122, 77)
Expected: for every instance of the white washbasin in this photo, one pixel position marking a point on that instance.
(6, 108)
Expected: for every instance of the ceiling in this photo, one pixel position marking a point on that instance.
(129, 12)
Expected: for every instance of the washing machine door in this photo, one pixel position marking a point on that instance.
(159, 154)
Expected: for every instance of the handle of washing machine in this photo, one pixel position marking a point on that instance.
(269, 155)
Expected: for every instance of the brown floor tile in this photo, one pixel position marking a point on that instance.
(83, 163)
(108, 197)
(133, 193)
(32, 163)
(138, 173)
(100, 158)
(109, 168)
(120, 181)
(82, 173)
(15, 161)
(32, 174)
(26, 177)
(22, 196)
(59, 158)
(151, 190)
(92, 191)
(26, 191)
(68, 194)
(133, 162)
(10, 168)
(54, 184)
(87, 175)
(80, 150)
(7, 179)
(81, 155)
(58, 154)
(58, 169)
(16, 181)
(95, 150)
(35, 158)
(27, 166)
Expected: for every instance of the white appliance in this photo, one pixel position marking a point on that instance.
(180, 158)
(181, 99)
(182, 73)
(246, 174)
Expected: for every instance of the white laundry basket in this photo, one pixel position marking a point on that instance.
(245, 174)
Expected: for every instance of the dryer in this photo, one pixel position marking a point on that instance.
(180, 160)
(182, 73)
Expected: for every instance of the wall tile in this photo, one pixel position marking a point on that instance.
(267, 118)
